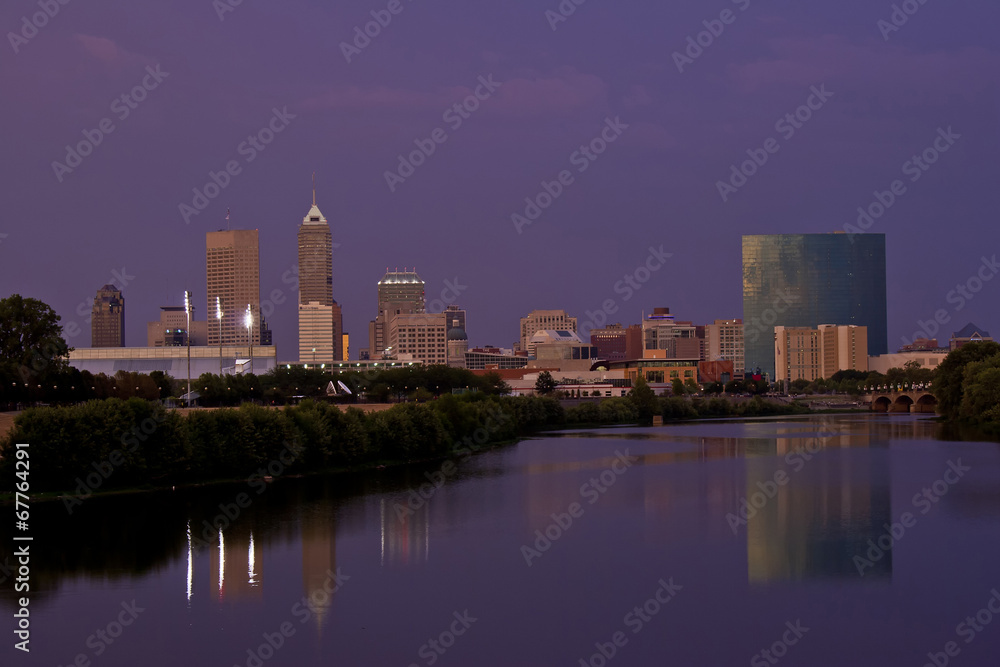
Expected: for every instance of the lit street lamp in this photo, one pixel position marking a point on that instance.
(187, 309)
(248, 320)
(218, 316)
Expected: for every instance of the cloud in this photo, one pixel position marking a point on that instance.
(559, 93)
(868, 65)
(107, 52)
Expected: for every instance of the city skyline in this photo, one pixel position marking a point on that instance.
(117, 213)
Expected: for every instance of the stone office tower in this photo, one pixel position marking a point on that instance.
(107, 318)
(321, 322)
(233, 271)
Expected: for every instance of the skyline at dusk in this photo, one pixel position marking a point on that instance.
(263, 96)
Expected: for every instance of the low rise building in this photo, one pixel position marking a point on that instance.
(970, 333)
(927, 359)
(171, 329)
(232, 359)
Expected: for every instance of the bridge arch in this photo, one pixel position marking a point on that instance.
(881, 404)
(925, 403)
(903, 403)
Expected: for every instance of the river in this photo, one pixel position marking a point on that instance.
(839, 540)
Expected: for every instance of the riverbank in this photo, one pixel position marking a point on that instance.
(136, 445)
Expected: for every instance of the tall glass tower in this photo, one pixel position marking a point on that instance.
(804, 280)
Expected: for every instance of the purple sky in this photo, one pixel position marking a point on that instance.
(655, 185)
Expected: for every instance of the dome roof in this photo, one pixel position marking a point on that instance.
(457, 334)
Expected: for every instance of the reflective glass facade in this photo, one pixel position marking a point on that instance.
(804, 280)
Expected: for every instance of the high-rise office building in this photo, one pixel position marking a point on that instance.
(107, 318)
(540, 320)
(399, 293)
(321, 322)
(804, 280)
(724, 342)
(233, 267)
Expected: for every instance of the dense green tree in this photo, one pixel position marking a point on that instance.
(30, 336)
(495, 385)
(644, 399)
(735, 387)
(949, 377)
(677, 387)
(545, 384)
(981, 394)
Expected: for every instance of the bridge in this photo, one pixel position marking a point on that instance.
(917, 400)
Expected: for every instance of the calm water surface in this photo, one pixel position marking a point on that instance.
(627, 542)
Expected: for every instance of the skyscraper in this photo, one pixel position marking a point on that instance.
(107, 318)
(321, 321)
(399, 293)
(805, 280)
(233, 267)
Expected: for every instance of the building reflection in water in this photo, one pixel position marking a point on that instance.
(405, 532)
(824, 515)
(319, 559)
(190, 563)
(233, 566)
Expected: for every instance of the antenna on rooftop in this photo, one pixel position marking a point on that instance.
(314, 188)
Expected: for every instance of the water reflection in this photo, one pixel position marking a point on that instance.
(810, 528)
(405, 532)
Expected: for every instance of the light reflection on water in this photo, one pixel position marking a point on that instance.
(817, 493)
